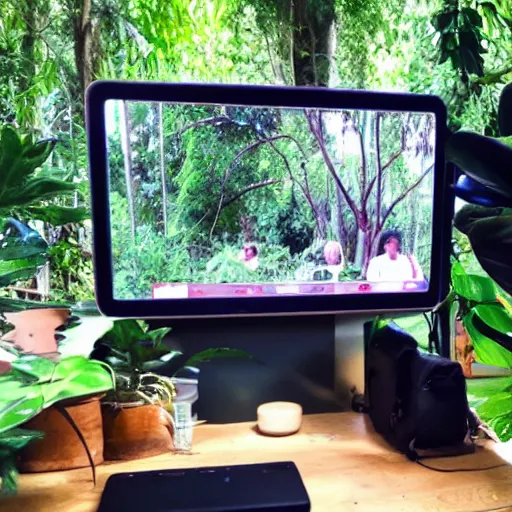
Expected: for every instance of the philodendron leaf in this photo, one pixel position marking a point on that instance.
(10, 443)
(34, 367)
(469, 214)
(217, 353)
(150, 366)
(10, 150)
(484, 159)
(19, 241)
(16, 412)
(16, 305)
(488, 351)
(77, 377)
(157, 335)
(18, 438)
(58, 215)
(15, 270)
(473, 287)
(491, 241)
(36, 189)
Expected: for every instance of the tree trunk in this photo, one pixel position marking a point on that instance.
(162, 165)
(82, 27)
(359, 253)
(312, 41)
(127, 153)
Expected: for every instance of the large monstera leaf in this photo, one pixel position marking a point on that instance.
(486, 160)
(36, 383)
(490, 233)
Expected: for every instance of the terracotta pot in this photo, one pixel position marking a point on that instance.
(135, 432)
(34, 329)
(61, 448)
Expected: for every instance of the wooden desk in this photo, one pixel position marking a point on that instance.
(344, 464)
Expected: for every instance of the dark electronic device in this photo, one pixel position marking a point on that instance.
(256, 487)
(191, 157)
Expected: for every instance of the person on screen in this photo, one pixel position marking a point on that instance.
(390, 264)
(333, 255)
(249, 257)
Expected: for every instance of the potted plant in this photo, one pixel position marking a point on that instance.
(138, 413)
(57, 406)
(25, 190)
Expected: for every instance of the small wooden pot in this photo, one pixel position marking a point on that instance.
(61, 448)
(135, 432)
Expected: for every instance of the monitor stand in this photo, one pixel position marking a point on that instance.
(349, 336)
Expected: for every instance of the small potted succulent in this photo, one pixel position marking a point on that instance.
(138, 414)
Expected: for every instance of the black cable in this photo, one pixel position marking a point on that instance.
(461, 470)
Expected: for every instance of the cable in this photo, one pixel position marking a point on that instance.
(461, 470)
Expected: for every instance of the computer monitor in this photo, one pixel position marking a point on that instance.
(244, 200)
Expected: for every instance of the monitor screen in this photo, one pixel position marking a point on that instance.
(233, 200)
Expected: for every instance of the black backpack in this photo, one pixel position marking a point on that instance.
(416, 401)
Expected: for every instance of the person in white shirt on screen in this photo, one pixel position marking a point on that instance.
(391, 264)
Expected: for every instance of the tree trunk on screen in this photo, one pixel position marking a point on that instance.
(162, 165)
(127, 153)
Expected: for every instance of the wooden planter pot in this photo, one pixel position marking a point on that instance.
(135, 432)
(61, 447)
(34, 329)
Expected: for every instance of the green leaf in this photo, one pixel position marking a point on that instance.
(10, 149)
(486, 350)
(217, 353)
(18, 411)
(58, 215)
(38, 368)
(20, 241)
(444, 20)
(35, 384)
(18, 438)
(35, 189)
(10, 443)
(15, 305)
(484, 159)
(472, 286)
(491, 240)
(156, 335)
(15, 270)
(491, 399)
(472, 16)
(155, 364)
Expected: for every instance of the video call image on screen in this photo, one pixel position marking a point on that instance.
(231, 201)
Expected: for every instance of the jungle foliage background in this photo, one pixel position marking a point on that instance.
(50, 52)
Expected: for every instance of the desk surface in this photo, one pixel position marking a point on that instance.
(344, 464)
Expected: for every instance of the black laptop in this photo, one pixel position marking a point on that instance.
(255, 487)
